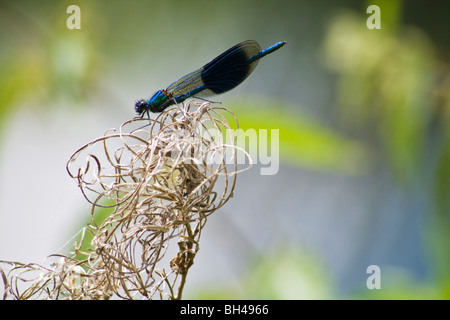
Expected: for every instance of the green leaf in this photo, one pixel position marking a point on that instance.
(302, 141)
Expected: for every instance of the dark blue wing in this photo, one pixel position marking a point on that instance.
(230, 68)
(221, 74)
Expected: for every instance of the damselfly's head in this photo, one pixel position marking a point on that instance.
(141, 107)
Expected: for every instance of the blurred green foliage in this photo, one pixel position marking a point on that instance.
(384, 86)
(394, 95)
(293, 273)
(303, 141)
(282, 273)
(42, 62)
(394, 91)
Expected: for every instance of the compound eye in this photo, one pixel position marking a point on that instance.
(140, 106)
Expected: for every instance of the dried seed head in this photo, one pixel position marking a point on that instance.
(160, 182)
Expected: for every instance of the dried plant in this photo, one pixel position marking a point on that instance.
(160, 182)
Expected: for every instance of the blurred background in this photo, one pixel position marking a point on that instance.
(364, 116)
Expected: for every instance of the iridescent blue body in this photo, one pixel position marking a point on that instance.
(220, 75)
